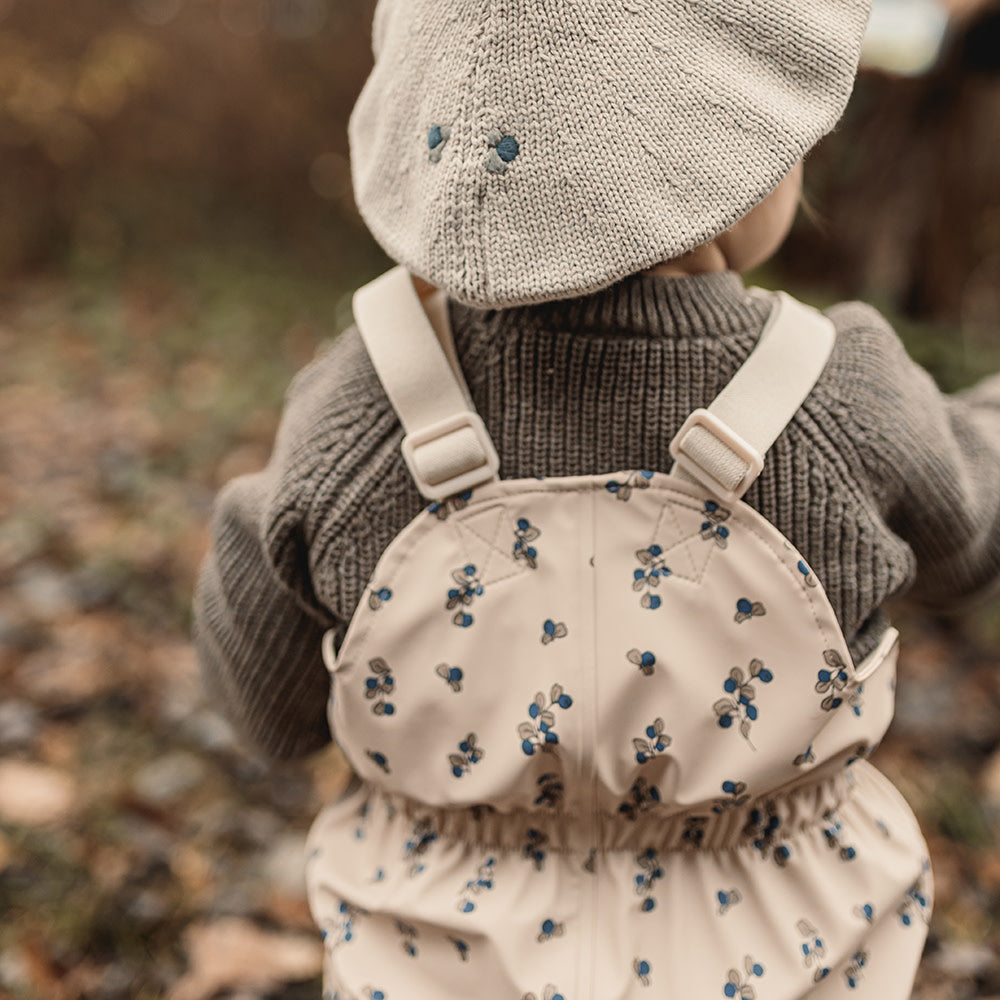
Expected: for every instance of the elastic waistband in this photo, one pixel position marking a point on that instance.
(766, 819)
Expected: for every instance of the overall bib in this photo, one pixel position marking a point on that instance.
(609, 739)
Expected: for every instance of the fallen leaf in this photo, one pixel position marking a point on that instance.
(33, 794)
(233, 953)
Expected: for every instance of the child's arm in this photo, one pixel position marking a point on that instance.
(932, 461)
(259, 643)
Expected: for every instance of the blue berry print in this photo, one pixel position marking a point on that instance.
(481, 882)
(379, 759)
(469, 753)
(642, 968)
(832, 830)
(550, 790)
(524, 534)
(452, 675)
(373, 994)
(468, 588)
(832, 678)
(734, 794)
(645, 661)
(437, 136)
(539, 733)
(852, 974)
(462, 947)
(552, 630)
(442, 508)
(418, 843)
(738, 983)
(642, 796)
(654, 742)
(747, 609)
(647, 576)
(409, 937)
(762, 829)
(866, 911)
(806, 757)
(549, 993)
(727, 899)
(808, 577)
(917, 902)
(693, 833)
(377, 596)
(741, 695)
(813, 950)
(712, 528)
(380, 686)
(533, 848)
(503, 150)
(341, 931)
(633, 481)
(550, 929)
(650, 872)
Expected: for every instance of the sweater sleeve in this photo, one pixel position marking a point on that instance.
(933, 462)
(257, 641)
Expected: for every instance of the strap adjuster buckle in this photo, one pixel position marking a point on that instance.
(451, 455)
(705, 448)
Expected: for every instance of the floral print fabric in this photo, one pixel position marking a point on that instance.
(609, 736)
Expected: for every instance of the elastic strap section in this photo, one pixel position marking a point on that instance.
(446, 446)
(723, 447)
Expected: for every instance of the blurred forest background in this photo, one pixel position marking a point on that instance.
(177, 237)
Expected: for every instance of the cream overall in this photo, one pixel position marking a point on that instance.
(609, 737)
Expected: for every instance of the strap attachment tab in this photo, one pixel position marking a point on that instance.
(451, 455)
(712, 453)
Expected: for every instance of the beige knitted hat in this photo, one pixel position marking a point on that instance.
(514, 151)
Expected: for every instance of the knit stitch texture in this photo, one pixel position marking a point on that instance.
(884, 484)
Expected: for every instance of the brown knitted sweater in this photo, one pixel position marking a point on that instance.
(884, 484)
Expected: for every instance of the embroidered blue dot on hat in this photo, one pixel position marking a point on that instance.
(524, 151)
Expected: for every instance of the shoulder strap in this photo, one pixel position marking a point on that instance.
(723, 447)
(446, 447)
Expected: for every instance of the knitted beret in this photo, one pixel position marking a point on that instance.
(516, 151)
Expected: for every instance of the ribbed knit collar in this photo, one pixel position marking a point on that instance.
(641, 305)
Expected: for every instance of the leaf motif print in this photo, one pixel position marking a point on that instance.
(452, 675)
(833, 679)
(747, 609)
(469, 753)
(712, 528)
(462, 947)
(738, 982)
(481, 882)
(832, 830)
(642, 796)
(741, 697)
(633, 481)
(409, 937)
(763, 829)
(853, 972)
(917, 903)
(813, 950)
(552, 630)
(735, 795)
(380, 686)
(645, 661)
(727, 899)
(533, 848)
(379, 759)
(808, 578)
(655, 742)
(550, 788)
(467, 588)
(642, 968)
(540, 734)
(550, 929)
(340, 931)
(442, 508)
(650, 872)
(524, 534)
(417, 844)
(377, 596)
(549, 993)
(646, 578)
